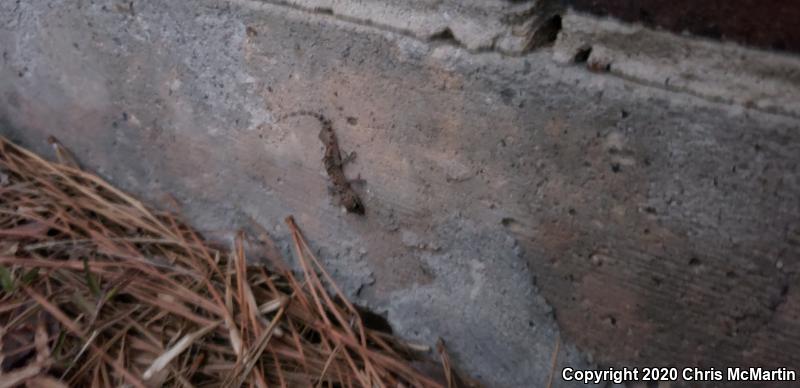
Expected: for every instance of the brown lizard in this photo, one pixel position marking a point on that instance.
(334, 163)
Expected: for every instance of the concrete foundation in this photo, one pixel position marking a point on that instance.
(638, 199)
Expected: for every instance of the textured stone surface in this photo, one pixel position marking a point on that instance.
(503, 193)
(478, 25)
(721, 72)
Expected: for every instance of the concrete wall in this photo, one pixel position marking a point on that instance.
(640, 203)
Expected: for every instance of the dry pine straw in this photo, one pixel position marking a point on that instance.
(98, 290)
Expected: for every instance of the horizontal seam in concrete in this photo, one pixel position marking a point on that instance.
(327, 13)
(725, 73)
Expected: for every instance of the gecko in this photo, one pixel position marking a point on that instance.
(333, 162)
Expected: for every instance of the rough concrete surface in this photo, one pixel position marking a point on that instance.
(478, 25)
(510, 199)
(753, 78)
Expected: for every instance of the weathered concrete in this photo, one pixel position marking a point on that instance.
(511, 27)
(661, 226)
(720, 72)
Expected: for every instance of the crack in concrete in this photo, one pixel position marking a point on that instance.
(538, 37)
(533, 26)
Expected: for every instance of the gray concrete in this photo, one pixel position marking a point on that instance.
(510, 199)
(477, 25)
(727, 73)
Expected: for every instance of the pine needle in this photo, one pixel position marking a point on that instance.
(97, 289)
